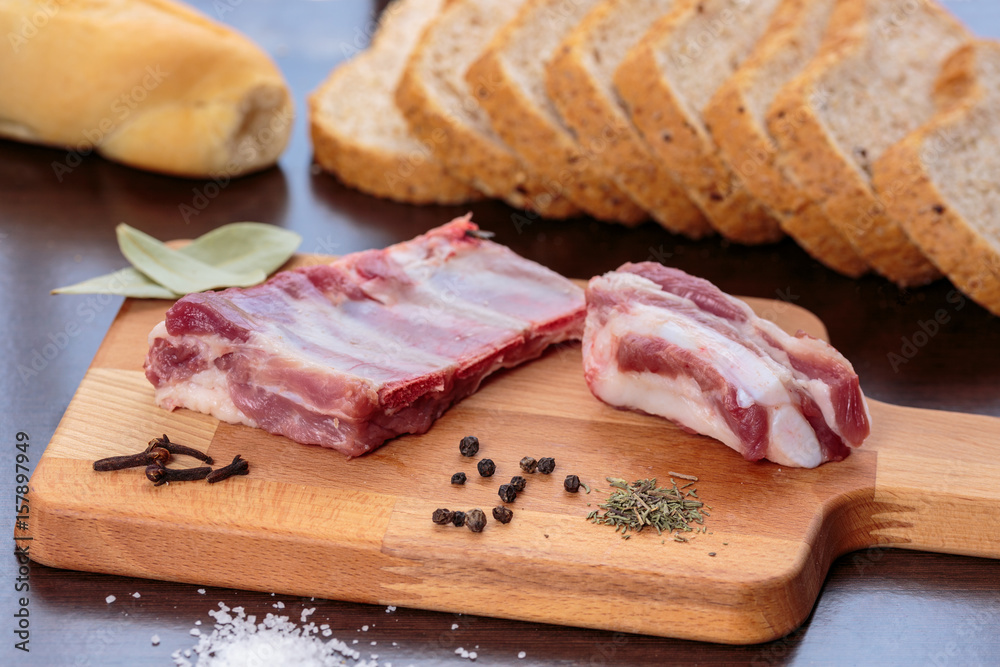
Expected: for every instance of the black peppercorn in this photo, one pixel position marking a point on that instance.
(528, 464)
(475, 520)
(487, 467)
(469, 446)
(518, 483)
(442, 517)
(546, 465)
(507, 493)
(458, 478)
(458, 518)
(572, 483)
(502, 514)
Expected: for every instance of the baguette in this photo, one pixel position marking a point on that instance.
(441, 113)
(834, 120)
(737, 116)
(941, 182)
(509, 81)
(152, 84)
(579, 82)
(360, 136)
(669, 78)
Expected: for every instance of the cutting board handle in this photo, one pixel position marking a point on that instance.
(938, 480)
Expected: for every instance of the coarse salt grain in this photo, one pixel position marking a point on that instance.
(454, 626)
(306, 613)
(110, 599)
(201, 591)
(522, 655)
(390, 609)
(275, 642)
(136, 595)
(278, 605)
(155, 639)
(364, 628)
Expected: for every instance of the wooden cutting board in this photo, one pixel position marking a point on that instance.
(308, 521)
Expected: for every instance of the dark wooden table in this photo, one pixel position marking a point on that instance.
(890, 606)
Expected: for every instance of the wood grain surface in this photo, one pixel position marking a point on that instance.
(880, 605)
(752, 577)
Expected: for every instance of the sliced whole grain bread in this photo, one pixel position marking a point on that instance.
(441, 112)
(358, 133)
(579, 82)
(509, 82)
(667, 81)
(942, 183)
(870, 86)
(737, 116)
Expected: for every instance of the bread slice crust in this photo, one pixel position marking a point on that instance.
(909, 182)
(387, 161)
(834, 176)
(445, 118)
(737, 113)
(673, 128)
(587, 101)
(533, 130)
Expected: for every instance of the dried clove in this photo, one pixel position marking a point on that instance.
(518, 483)
(152, 456)
(469, 446)
(475, 520)
(502, 514)
(239, 466)
(528, 464)
(174, 448)
(160, 475)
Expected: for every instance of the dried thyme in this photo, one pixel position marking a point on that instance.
(632, 507)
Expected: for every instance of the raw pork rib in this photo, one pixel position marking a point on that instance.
(374, 345)
(664, 342)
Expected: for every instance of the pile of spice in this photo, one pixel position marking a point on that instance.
(475, 519)
(239, 641)
(160, 451)
(633, 507)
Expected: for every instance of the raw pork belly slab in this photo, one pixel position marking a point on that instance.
(664, 342)
(374, 345)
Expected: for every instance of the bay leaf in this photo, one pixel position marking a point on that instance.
(243, 246)
(237, 247)
(178, 271)
(124, 282)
